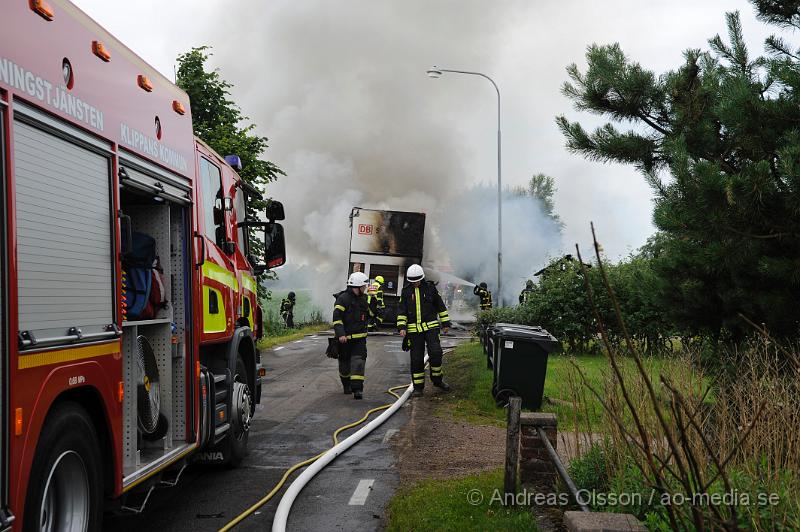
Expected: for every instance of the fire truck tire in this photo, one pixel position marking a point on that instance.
(241, 415)
(65, 490)
(162, 427)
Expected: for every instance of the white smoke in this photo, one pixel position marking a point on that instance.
(467, 236)
(341, 91)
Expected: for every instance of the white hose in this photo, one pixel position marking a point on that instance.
(285, 506)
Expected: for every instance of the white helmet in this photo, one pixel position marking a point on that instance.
(357, 279)
(415, 273)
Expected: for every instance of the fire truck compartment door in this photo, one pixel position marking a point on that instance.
(64, 245)
(167, 186)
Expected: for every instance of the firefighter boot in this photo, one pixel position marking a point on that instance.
(442, 385)
(346, 385)
(418, 391)
(358, 395)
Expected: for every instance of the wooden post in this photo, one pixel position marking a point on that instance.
(512, 449)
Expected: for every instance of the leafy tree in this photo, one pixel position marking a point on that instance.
(718, 140)
(219, 122)
(541, 187)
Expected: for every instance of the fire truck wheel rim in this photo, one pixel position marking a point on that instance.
(65, 505)
(242, 409)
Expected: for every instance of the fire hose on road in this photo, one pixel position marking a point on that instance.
(321, 460)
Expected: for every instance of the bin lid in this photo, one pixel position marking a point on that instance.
(518, 326)
(530, 334)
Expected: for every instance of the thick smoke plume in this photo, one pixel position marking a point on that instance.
(340, 89)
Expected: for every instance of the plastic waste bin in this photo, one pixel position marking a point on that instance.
(489, 343)
(519, 361)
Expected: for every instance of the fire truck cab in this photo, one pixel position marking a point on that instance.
(128, 296)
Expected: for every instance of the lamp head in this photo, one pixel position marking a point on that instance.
(434, 72)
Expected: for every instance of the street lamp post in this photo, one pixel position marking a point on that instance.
(436, 72)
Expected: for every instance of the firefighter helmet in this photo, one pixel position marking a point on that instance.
(529, 284)
(291, 295)
(379, 279)
(415, 273)
(357, 279)
(483, 285)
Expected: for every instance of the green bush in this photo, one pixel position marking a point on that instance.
(590, 471)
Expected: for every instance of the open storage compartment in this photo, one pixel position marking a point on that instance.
(154, 347)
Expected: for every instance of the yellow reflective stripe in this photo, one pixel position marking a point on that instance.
(219, 274)
(412, 327)
(444, 315)
(419, 311)
(357, 335)
(344, 376)
(249, 283)
(356, 377)
(419, 381)
(340, 307)
(338, 322)
(417, 375)
(66, 355)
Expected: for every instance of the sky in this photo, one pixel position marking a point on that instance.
(340, 90)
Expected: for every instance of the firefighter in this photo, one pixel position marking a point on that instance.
(376, 293)
(420, 314)
(483, 292)
(287, 309)
(526, 293)
(379, 292)
(351, 313)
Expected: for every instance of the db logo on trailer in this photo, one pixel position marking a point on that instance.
(364, 229)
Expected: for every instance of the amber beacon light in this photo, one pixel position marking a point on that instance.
(99, 49)
(43, 9)
(144, 82)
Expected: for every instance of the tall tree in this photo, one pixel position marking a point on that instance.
(219, 122)
(718, 140)
(542, 188)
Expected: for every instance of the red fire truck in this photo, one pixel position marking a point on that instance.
(128, 307)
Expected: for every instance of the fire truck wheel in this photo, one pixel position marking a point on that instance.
(66, 482)
(241, 415)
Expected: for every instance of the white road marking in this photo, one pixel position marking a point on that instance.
(279, 348)
(359, 497)
(389, 434)
(298, 341)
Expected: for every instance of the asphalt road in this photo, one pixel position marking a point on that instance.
(301, 406)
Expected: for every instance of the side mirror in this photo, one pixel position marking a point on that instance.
(274, 244)
(274, 211)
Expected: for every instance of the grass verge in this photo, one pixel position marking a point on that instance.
(449, 505)
(472, 400)
(290, 335)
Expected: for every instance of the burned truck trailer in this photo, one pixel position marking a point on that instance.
(386, 243)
